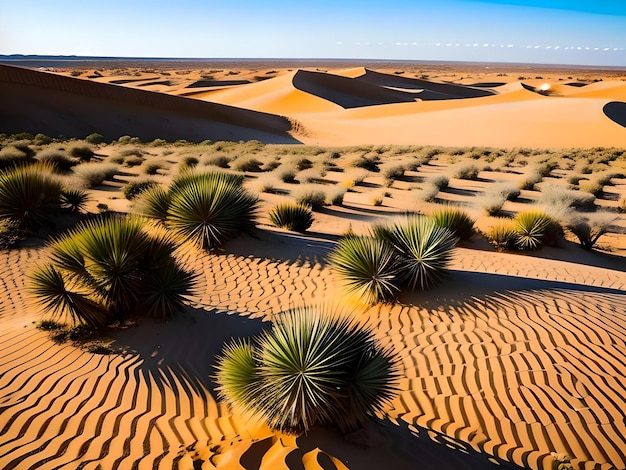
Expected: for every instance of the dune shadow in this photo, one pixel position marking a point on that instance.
(462, 290)
(347, 92)
(616, 112)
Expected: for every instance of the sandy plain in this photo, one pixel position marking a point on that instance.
(514, 357)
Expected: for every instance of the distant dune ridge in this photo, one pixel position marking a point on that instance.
(338, 107)
(52, 104)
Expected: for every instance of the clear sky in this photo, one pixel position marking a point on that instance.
(557, 32)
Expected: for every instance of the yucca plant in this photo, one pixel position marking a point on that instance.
(455, 220)
(310, 367)
(153, 202)
(503, 234)
(211, 208)
(74, 200)
(108, 268)
(423, 249)
(368, 268)
(534, 229)
(29, 195)
(291, 216)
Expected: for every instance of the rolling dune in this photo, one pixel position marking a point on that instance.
(53, 104)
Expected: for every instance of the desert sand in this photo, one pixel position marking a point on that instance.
(514, 357)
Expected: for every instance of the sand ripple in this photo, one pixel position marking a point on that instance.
(508, 359)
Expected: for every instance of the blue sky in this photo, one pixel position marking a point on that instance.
(558, 32)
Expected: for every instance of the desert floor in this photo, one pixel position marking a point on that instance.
(514, 357)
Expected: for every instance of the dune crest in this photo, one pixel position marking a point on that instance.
(52, 104)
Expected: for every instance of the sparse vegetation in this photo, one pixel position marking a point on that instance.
(295, 217)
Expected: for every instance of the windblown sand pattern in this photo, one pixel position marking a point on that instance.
(503, 360)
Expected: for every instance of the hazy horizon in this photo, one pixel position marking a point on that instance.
(537, 32)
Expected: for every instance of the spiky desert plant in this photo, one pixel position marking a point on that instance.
(154, 202)
(210, 208)
(534, 229)
(29, 195)
(423, 249)
(310, 367)
(503, 234)
(368, 268)
(291, 216)
(111, 267)
(74, 199)
(455, 220)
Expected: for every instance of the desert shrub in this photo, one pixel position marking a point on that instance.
(108, 268)
(286, 174)
(82, 152)
(158, 143)
(116, 159)
(377, 199)
(190, 161)
(210, 208)
(9, 233)
(427, 193)
(455, 220)
(534, 228)
(247, 164)
(466, 171)
(135, 188)
(508, 190)
(267, 183)
(74, 200)
(152, 168)
(42, 139)
(422, 248)
(393, 172)
(272, 165)
(303, 164)
(588, 228)
(311, 367)
(133, 161)
(367, 163)
(95, 173)
(58, 159)
(11, 156)
(29, 195)
(334, 197)
(491, 203)
(221, 161)
(529, 180)
(133, 152)
(440, 181)
(592, 186)
(503, 234)
(24, 146)
(558, 198)
(312, 175)
(310, 196)
(95, 138)
(367, 267)
(291, 216)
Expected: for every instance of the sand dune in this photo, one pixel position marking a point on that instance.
(53, 104)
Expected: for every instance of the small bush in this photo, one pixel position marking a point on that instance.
(393, 172)
(286, 174)
(43, 139)
(588, 228)
(529, 181)
(135, 188)
(95, 138)
(220, 161)
(491, 203)
(440, 181)
(592, 187)
(94, 174)
(152, 168)
(133, 161)
(558, 199)
(508, 190)
(312, 175)
(367, 163)
(309, 196)
(190, 161)
(58, 159)
(466, 171)
(503, 234)
(247, 164)
(455, 220)
(295, 217)
(304, 164)
(335, 196)
(427, 193)
(82, 152)
(11, 156)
